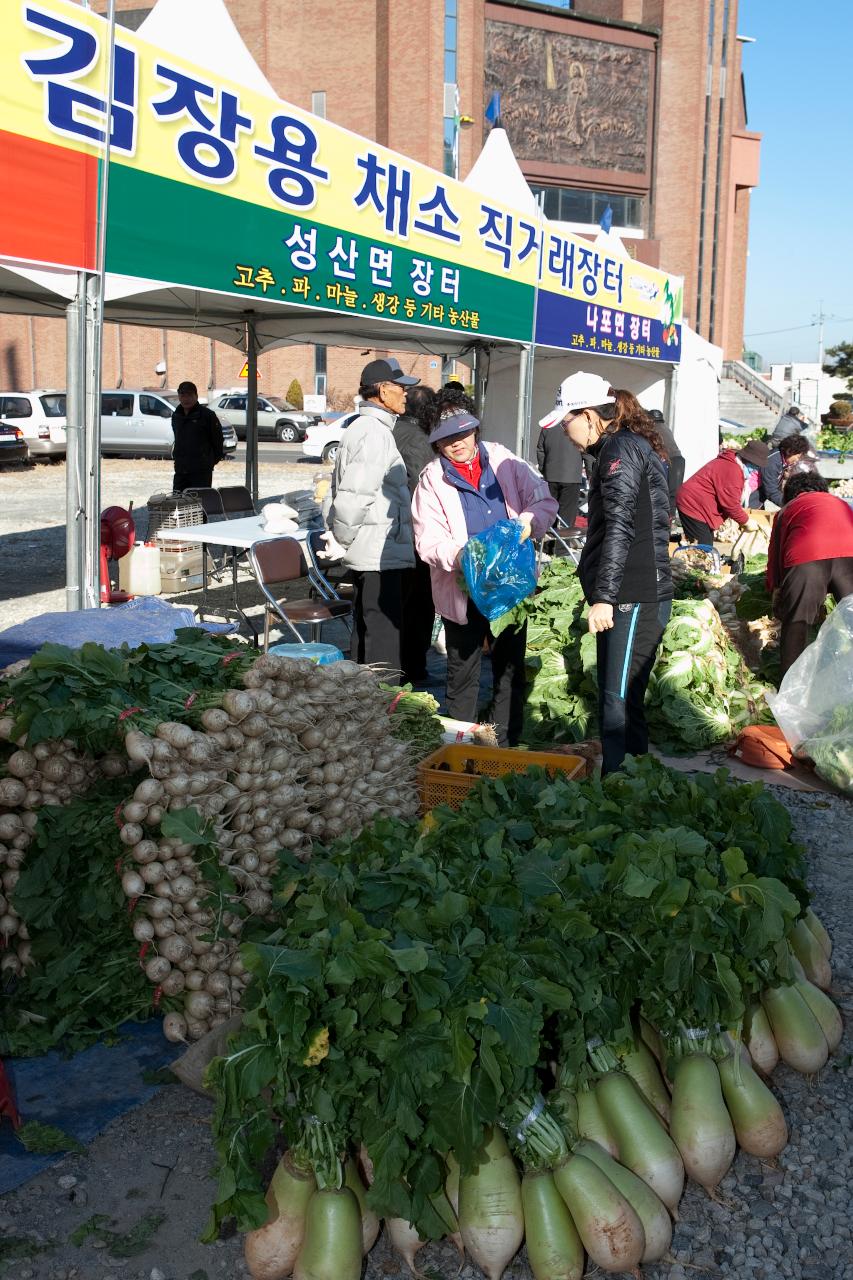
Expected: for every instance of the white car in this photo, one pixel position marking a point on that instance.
(40, 415)
(321, 441)
(277, 419)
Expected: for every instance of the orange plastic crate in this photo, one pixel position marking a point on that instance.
(451, 786)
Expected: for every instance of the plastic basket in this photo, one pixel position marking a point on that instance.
(451, 786)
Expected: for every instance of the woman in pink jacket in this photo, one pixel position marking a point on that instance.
(466, 489)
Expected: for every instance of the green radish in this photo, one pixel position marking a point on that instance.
(759, 1124)
(819, 932)
(554, 1249)
(271, 1250)
(824, 1009)
(641, 1065)
(758, 1038)
(369, 1221)
(796, 1030)
(649, 1208)
(451, 1182)
(591, 1122)
(652, 1040)
(610, 1229)
(405, 1240)
(331, 1249)
(811, 955)
(490, 1215)
(644, 1145)
(701, 1126)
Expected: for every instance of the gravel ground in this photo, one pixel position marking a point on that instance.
(791, 1219)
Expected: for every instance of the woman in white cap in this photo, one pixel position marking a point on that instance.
(624, 568)
(467, 488)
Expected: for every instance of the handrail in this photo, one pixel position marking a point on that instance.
(752, 382)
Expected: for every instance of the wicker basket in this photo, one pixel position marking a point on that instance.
(451, 785)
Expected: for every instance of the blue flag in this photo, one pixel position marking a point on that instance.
(493, 110)
(606, 220)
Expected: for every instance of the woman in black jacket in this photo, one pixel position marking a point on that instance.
(410, 436)
(624, 568)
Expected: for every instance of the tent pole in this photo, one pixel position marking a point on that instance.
(75, 329)
(252, 410)
(521, 419)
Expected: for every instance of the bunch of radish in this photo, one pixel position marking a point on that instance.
(301, 754)
(50, 774)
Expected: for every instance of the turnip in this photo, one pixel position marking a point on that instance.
(195, 979)
(196, 1029)
(700, 1125)
(591, 1123)
(175, 1027)
(173, 984)
(152, 873)
(143, 929)
(271, 1250)
(157, 969)
(131, 833)
(22, 764)
(370, 1223)
(798, 1034)
(132, 884)
(174, 948)
(139, 747)
(8, 925)
(149, 791)
(641, 1065)
(13, 793)
(10, 826)
(811, 955)
(649, 1208)
(491, 1221)
(758, 1038)
(331, 1248)
(758, 1121)
(554, 1249)
(145, 851)
(813, 923)
(644, 1145)
(198, 1004)
(609, 1228)
(824, 1010)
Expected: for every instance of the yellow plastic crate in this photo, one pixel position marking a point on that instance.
(450, 786)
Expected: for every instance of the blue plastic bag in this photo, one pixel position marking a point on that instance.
(499, 569)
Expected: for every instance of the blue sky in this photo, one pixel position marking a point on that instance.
(799, 96)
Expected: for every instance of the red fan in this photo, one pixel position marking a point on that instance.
(117, 537)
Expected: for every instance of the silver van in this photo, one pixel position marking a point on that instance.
(134, 423)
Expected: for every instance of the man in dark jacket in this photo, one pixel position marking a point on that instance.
(561, 466)
(198, 441)
(676, 458)
(411, 436)
(791, 423)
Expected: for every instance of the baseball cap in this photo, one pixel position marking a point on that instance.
(578, 391)
(386, 371)
(453, 424)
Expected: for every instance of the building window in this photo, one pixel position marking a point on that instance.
(320, 371)
(451, 126)
(318, 103)
(567, 204)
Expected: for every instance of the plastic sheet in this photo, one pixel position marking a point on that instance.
(499, 569)
(814, 705)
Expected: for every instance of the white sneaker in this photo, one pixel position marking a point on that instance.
(439, 644)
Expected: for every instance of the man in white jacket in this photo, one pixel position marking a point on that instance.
(368, 511)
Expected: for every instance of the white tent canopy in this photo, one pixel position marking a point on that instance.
(204, 29)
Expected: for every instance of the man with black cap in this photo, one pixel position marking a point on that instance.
(368, 511)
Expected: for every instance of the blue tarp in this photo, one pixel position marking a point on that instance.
(145, 620)
(80, 1095)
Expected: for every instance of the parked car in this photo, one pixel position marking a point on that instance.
(40, 415)
(13, 444)
(277, 418)
(137, 423)
(321, 441)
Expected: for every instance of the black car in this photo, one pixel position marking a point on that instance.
(13, 446)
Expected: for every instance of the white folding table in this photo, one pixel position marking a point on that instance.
(235, 535)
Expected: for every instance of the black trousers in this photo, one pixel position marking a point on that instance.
(418, 618)
(464, 655)
(568, 498)
(378, 615)
(625, 657)
(696, 531)
(800, 600)
(199, 476)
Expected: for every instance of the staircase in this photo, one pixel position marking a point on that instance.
(746, 398)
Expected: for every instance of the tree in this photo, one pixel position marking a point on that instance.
(294, 394)
(839, 362)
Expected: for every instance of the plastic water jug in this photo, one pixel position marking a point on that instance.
(139, 570)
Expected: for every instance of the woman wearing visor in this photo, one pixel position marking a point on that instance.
(624, 567)
(468, 487)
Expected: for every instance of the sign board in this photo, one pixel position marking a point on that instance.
(214, 186)
(244, 372)
(314, 404)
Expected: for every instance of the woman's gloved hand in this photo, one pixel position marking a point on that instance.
(526, 527)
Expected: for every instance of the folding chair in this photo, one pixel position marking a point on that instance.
(211, 503)
(569, 541)
(236, 502)
(319, 570)
(280, 560)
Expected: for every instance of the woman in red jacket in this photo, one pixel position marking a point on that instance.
(712, 495)
(810, 557)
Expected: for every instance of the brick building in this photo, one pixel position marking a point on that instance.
(635, 104)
